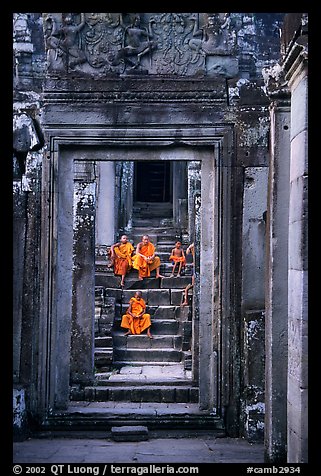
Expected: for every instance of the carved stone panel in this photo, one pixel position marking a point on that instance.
(113, 44)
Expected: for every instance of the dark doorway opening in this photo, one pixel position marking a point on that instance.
(152, 181)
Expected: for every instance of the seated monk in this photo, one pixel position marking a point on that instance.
(178, 257)
(145, 260)
(136, 320)
(121, 255)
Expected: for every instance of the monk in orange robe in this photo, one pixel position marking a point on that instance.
(136, 320)
(121, 255)
(178, 257)
(145, 260)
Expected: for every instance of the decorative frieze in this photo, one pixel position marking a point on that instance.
(113, 44)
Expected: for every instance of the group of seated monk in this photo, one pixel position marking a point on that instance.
(144, 260)
(136, 320)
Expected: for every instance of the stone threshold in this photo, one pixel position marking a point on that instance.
(102, 416)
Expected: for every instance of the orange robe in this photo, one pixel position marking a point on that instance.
(136, 325)
(123, 260)
(178, 259)
(141, 265)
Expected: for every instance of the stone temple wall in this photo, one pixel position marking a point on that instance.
(198, 69)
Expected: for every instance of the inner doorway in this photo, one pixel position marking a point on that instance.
(152, 181)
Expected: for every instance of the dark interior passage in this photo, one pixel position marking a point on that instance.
(152, 181)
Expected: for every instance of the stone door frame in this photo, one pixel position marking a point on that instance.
(214, 341)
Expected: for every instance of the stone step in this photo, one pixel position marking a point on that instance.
(121, 363)
(175, 295)
(143, 342)
(136, 393)
(170, 374)
(103, 342)
(146, 355)
(113, 282)
(181, 313)
(155, 234)
(164, 254)
(182, 418)
(104, 357)
(160, 327)
(84, 416)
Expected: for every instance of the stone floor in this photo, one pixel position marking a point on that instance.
(201, 449)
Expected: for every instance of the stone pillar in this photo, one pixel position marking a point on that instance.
(253, 252)
(105, 206)
(30, 303)
(193, 187)
(125, 217)
(276, 295)
(83, 282)
(296, 70)
(22, 46)
(18, 245)
(180, 214)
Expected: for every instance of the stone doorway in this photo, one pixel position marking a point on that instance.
(69, 281)
(160, 368)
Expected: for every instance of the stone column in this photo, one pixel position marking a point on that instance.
(253, 253)
(296, 69)
(18, 245)
(105, 205)
(30, 302)
(193, 188)
(125, 217)
(276, 295)
(180, 215)
(83, 282)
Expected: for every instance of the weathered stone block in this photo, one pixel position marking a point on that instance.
(89, 394)
(176, 296)
(128, 294)
(299, 156)
(169, 283)
(194, 395)
(183, 313)
(298, 207)
(298, 245)
(101, 394)
(20, 421)
(299, 108)
(254, 334)
(159, 297)
(298, 294)
(165, 312)
(182, 395)
(77, 393)
(129, 433)
(99, 295)
(103, 342)
(226, 66)
(168, 394)
(297, 413)
(120, 394)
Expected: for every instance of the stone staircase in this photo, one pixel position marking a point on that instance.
(140, 380)
(136, 367)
